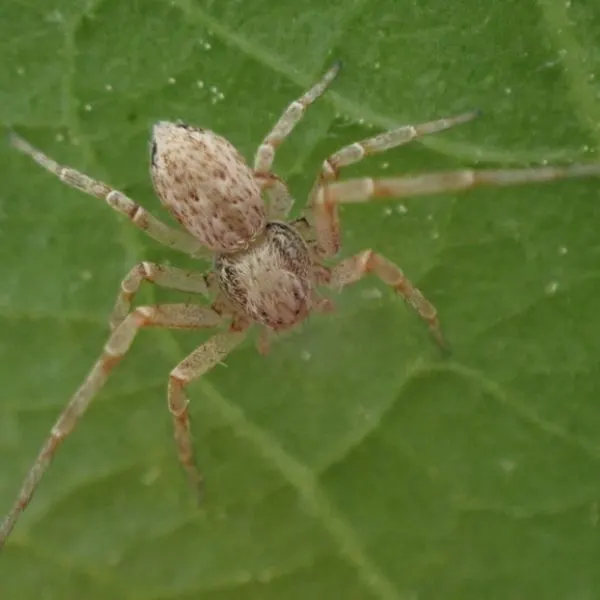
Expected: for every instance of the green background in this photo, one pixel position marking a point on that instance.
(354, 461)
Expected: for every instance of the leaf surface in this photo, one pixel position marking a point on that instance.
(354, 461)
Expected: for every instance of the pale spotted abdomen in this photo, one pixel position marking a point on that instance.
(207, 185)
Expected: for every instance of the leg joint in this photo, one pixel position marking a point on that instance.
(329, 170)
(176, 379)
(143, 315)
(367, 261)
(177, 401)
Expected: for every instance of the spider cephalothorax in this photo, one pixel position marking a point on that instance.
(271, 282)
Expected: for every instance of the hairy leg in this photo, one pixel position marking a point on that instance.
(327, 228)
(354, 153)
(192, 367)
(172, 316)
(265, 154)
(356, 267)
(139, 216)
(161, 275)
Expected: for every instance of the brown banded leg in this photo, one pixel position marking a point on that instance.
(356, 267)
(288, 120)
(170, 316)
(192, 367)
(162, 275)
(139, 216)
(366, 189)
(354, 153)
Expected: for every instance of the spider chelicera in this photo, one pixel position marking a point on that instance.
(266, 268)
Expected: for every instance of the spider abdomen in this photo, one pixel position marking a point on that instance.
(207, 185)
(270, 282)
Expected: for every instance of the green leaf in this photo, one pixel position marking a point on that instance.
(354, 461)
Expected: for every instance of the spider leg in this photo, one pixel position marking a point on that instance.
(172, 316)
(356, 267)
(289, 119)
(139, 216)
(327, 228)
(354, 153)
(280, 199)
(201, 360)
(161, 275)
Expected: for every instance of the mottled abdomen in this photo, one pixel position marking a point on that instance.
(271, 282)
(208, 187)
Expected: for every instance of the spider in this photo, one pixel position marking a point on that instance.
(266, 268)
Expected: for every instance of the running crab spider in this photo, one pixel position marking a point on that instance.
(266, 269)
